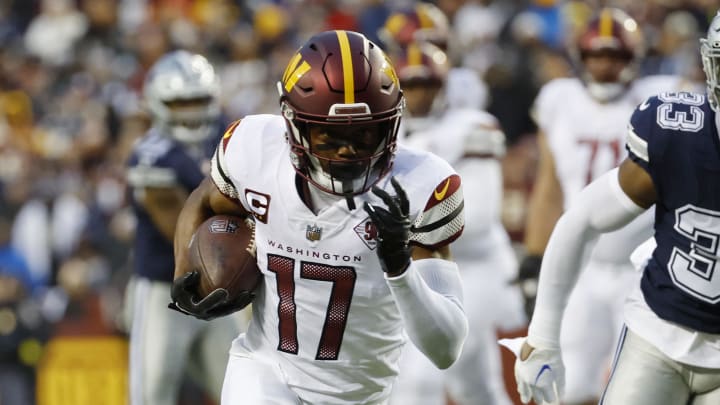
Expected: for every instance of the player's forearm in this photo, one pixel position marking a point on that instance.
(600, 207)
(194, 212)
(543, 213)
(546, 202)
(429, 297)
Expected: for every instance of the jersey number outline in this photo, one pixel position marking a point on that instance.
(697, 272)
(686, 121)
(343, 285)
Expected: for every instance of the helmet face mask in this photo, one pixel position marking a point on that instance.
(182, 93)
(607, 54)
(338, 91)
(710, 53)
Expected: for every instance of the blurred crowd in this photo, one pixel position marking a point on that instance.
(70, 108)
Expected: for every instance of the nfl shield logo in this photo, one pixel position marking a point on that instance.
(223, 226)
(313, 233)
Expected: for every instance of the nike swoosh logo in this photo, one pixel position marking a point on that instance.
(544, 368)
(439, 196)
(645, 104)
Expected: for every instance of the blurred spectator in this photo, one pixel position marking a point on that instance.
(23, 330)
(53, 33)
(245, 75)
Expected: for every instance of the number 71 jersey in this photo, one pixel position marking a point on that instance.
(674, 137)
(325, 313)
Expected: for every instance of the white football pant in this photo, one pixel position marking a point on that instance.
(165, 344)
(642, 375)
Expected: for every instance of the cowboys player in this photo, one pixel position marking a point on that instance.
(181, 94)
(669, 350)
(352, 235)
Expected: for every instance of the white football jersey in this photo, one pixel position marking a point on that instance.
(325, 313)
(471, 141)
(587, 139)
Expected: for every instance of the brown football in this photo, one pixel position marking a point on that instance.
(222, 250)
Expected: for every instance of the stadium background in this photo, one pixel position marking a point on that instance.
(70, 76)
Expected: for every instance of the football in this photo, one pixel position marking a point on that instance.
(222, 250)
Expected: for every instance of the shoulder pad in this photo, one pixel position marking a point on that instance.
(218, 167)
(442, 219)
(228, 133)
(660, 116)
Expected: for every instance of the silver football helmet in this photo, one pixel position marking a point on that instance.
(710, 52)
(181, 90)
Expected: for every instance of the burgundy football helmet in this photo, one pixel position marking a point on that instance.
(614, 33)
(423, 64)
(422, 69)
(342, 81)
(424, 22)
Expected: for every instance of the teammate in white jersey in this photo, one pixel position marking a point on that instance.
(582, 129)
(352, 235)
(669, 353)
(471, 141)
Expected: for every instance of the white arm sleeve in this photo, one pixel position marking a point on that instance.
(429, 297)
(601, 207)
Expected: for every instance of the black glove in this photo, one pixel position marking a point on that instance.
(216, 304)
(528, 275)
(393, 226)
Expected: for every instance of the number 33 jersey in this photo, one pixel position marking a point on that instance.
(674, 137)
(324, 312)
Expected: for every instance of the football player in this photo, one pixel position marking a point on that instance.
(426, 23)
(181, 95)
(353, 235)
(581, 124)
(422, 23)
(669, 349)
(472, 142)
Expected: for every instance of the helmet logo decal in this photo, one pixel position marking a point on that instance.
(390, 72)
(293, 72)
(347, 67)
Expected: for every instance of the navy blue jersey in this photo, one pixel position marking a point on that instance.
(159, 161)
(673, 136)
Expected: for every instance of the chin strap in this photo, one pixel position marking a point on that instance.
(349, 197)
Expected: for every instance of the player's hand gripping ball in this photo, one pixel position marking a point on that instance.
(225, 273)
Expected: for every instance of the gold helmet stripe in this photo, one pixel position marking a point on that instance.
(293, 72)
(347, 66)
(606, 23)
(414, 55)
(423, 13)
